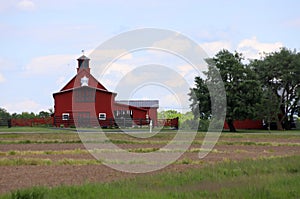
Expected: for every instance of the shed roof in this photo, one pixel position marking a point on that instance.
(140, 103)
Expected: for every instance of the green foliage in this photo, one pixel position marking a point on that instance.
(34, 193)
(4, 117)
(24, 115)
(4, 113)
(242, 88)
(186, 120)
(201, 104)
(267, 88)
(31, 115)
(169, 114)
(279, 73)
(43, 114)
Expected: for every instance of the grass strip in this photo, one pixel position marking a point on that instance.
(42, 162)
(48, 152)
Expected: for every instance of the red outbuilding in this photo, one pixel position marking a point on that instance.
(150, 105)
(84, 101)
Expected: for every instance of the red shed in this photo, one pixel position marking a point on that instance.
(150, 105)
(84, 101)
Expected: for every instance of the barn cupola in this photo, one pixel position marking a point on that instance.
(83, 63)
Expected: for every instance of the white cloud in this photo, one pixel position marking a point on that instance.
(251, 48)
(174, 43)
(212, 48)
(119, 68)
(185, 69)
(24, 106)
(26, 5)
(2, 79)
(178, 101)
(50, 64)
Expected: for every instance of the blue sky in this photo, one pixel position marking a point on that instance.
(41, 40)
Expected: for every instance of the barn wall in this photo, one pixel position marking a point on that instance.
(104, 103)
(64, 104)
(138, 113)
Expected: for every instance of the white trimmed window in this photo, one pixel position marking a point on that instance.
(65, 116)
(102, 116)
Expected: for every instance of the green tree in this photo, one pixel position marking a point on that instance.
(169, 114)
(200, 98)
(279, 73)
(24, 115)
(186, 120)
(4, 113)
(43, 114)
(4, 117)
(243, 91)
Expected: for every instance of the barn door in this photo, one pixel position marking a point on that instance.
(83, 119)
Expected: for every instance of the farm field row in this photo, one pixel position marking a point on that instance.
(55, 159)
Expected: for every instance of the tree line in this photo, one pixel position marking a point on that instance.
(4, 114)
(267, 88)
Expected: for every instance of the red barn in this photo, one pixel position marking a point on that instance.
(84, 101)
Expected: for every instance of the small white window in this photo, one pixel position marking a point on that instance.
(65, 116)
(102, 116)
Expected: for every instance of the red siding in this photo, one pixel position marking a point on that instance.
(138, 113)
(31, 122)
(246, 124)
(65, 104)
(153, 115)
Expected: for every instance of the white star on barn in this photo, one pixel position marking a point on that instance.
(84, 81)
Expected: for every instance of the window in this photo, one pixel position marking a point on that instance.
(102, 116)
(123, 114)
(65, 116)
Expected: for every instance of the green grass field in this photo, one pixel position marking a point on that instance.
(263, 178)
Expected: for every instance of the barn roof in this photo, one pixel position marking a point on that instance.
(128, 106)
(83, 72)
(84, 87)
(140, 103)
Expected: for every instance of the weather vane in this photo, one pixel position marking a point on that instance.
(82, 52)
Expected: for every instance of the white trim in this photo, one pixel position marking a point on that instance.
(64, 116)
(102, 116)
